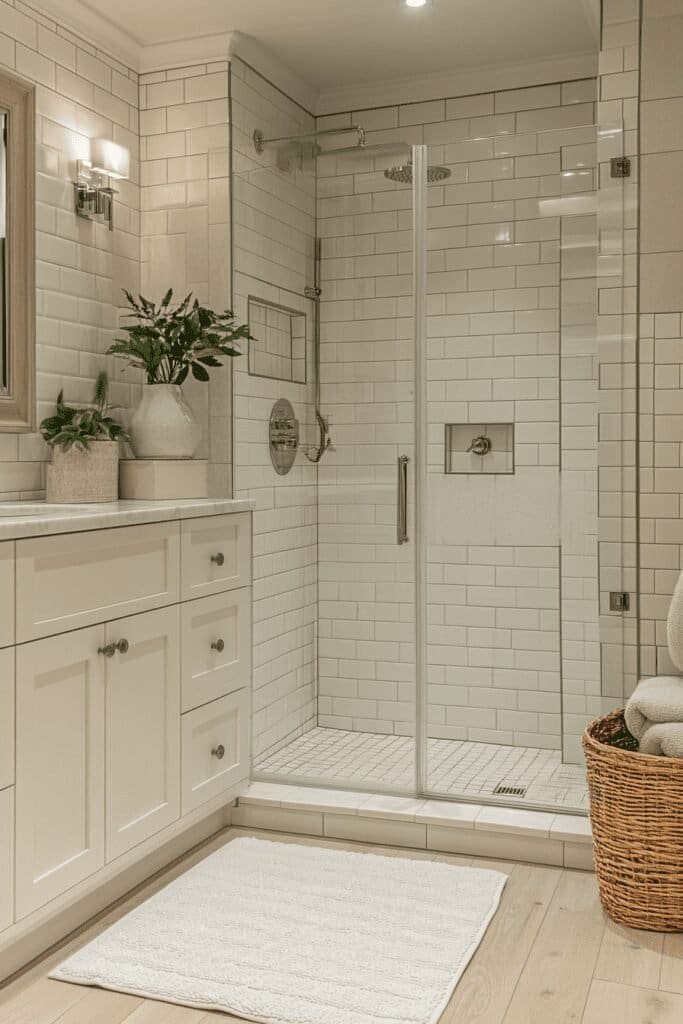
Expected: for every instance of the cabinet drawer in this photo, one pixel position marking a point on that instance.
(6, 858)
(216, 554)
(6, 717)
(215, 748)
(78, 579)
(6, 593)
(216, 647)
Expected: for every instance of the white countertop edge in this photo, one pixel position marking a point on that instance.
(77, 518)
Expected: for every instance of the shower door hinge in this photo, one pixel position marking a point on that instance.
(620, 167)
(619, 601)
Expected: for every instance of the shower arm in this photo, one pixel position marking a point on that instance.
(260, 141)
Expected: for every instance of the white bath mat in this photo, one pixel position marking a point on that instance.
(283, 933)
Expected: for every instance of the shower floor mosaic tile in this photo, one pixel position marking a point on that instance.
(457, 768)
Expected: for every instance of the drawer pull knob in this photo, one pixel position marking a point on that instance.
(218, 645)
(109, 650)
(122, 646)
(218, 752)
(218, 559)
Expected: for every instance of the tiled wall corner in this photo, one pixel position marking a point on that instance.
(81, 267)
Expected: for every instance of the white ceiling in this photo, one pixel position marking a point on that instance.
(337, 44)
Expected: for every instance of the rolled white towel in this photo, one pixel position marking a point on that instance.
(654, 701)
(674, 625)
(663, 738)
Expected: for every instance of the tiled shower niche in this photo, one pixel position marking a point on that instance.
(278, 346)
(479, 448)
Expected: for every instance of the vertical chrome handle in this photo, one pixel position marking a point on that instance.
(402, 510)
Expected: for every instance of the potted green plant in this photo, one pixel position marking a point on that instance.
(170, 342)
(85, 449)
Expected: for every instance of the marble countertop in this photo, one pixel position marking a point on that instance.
(38, 519)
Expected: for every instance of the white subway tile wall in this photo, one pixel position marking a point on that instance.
(81, 266)
(274, 235)
(185, 223)
(661, 331)
(617, 351)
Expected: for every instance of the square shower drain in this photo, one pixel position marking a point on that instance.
(503, 790)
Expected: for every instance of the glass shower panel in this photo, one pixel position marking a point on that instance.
(366, 528)
(273, 228)
(513, 654)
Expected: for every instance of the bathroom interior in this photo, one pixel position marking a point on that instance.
(425, 528)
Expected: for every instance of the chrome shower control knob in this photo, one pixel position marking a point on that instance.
(480, 445)
(218, 559)
(218, 645)
(218, 752)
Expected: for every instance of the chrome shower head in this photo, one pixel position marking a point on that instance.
(403, 174)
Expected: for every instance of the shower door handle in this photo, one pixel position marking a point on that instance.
(402, 509)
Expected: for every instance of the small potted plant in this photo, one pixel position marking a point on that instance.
(85, 450)
(169, 342)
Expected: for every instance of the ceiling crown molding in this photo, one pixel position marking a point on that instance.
(225, 46)
(108, 37)
(93, 28)
(467, 82)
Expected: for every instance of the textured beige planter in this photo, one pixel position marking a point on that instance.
(84, 476)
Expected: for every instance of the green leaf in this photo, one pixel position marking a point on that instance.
(198, 372)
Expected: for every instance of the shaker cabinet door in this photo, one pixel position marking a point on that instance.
(143, 727)
(59, 765)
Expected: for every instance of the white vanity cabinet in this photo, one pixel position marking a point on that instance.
(125, 689)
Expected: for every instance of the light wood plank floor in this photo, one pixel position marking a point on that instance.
(550, 956)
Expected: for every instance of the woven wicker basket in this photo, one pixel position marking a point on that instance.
(636, 804)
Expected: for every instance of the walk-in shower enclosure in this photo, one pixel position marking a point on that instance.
(462, 577)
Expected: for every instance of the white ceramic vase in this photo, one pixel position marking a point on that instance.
(163, 425)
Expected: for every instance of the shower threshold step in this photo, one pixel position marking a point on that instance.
(444, 826)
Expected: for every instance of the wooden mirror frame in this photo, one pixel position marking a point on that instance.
(17, 401)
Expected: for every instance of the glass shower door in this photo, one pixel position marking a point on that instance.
(521, 503)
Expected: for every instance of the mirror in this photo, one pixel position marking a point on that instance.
(17, 248)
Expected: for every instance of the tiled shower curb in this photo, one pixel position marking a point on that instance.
(474, 830)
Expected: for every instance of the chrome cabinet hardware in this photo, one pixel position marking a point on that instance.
(218, 752)
(402, 509)
(109, 650)
(480, 445)
(218, 645)
(218, 559)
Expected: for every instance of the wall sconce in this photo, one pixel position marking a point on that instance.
(93, 190)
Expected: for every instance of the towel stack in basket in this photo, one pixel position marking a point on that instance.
(654, 714)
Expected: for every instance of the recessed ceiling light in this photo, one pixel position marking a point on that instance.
(415, 3)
